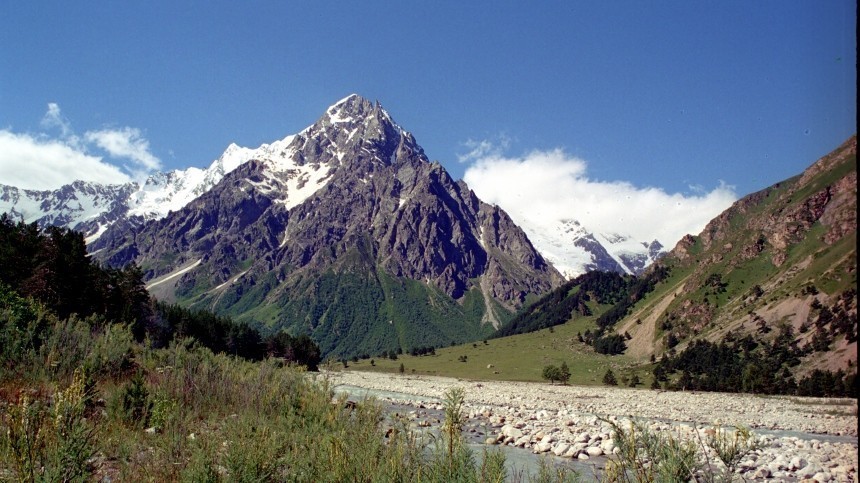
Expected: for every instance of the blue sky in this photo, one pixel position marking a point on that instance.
(676, 95)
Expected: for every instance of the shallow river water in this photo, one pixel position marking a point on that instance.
(523, 463)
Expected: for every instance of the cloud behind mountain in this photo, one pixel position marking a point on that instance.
(545, 187)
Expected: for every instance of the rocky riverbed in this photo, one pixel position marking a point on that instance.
(799, 438)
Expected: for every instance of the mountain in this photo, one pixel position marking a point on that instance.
(345, 231)
(574, 249)
(93, 207)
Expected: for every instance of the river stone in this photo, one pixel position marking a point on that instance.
(542, 447)
(607, 445)
(512, 432)
(762, 473)
(560, 449)
(522, 441)
(796, 463)
(594, 451)
(571, 452)
(582, 438)
(822, 477)
(809, 471)
(491, 440)
(779, 463)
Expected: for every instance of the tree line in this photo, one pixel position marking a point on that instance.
(53, 268)
(744, 364)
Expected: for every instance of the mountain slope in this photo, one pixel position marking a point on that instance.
(347, 232)
(782, 260)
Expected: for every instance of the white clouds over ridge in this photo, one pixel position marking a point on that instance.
(544, 187)
(43, 162)
(125, 143)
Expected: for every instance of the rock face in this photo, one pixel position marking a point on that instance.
(347, 232)
(80, 206)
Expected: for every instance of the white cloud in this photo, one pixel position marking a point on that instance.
(42, 161)
(32, 163)
(125, 143)
(54, 118)
(544, 187)
(484, 149)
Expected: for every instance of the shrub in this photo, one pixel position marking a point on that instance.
(646, 456)
(564, 373)
(111, 352)
(134, 402)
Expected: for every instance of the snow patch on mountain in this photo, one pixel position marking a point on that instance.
(172, 275)
(574, 250)
(93, 207)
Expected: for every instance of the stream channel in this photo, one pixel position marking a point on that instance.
(521, 463)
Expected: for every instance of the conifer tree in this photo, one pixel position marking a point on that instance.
(609, 378)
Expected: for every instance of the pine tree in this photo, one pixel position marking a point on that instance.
(609, 378)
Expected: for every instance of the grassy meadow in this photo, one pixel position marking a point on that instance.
(520, 357)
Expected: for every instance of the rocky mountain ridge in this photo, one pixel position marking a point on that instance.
(91, 207)
(347, 232)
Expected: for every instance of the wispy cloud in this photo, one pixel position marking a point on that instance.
(544, 187)
(125, 143)
(484, 148)
(54, 119)
(51, 159)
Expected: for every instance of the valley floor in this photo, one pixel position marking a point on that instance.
(800, 437)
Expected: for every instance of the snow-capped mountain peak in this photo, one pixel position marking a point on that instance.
(353, 130)
(92, 207)
(574, 249)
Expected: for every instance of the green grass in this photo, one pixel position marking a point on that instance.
(516, 358)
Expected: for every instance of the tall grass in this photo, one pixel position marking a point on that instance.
(86, 402)
(647, 456)
(53, 443)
